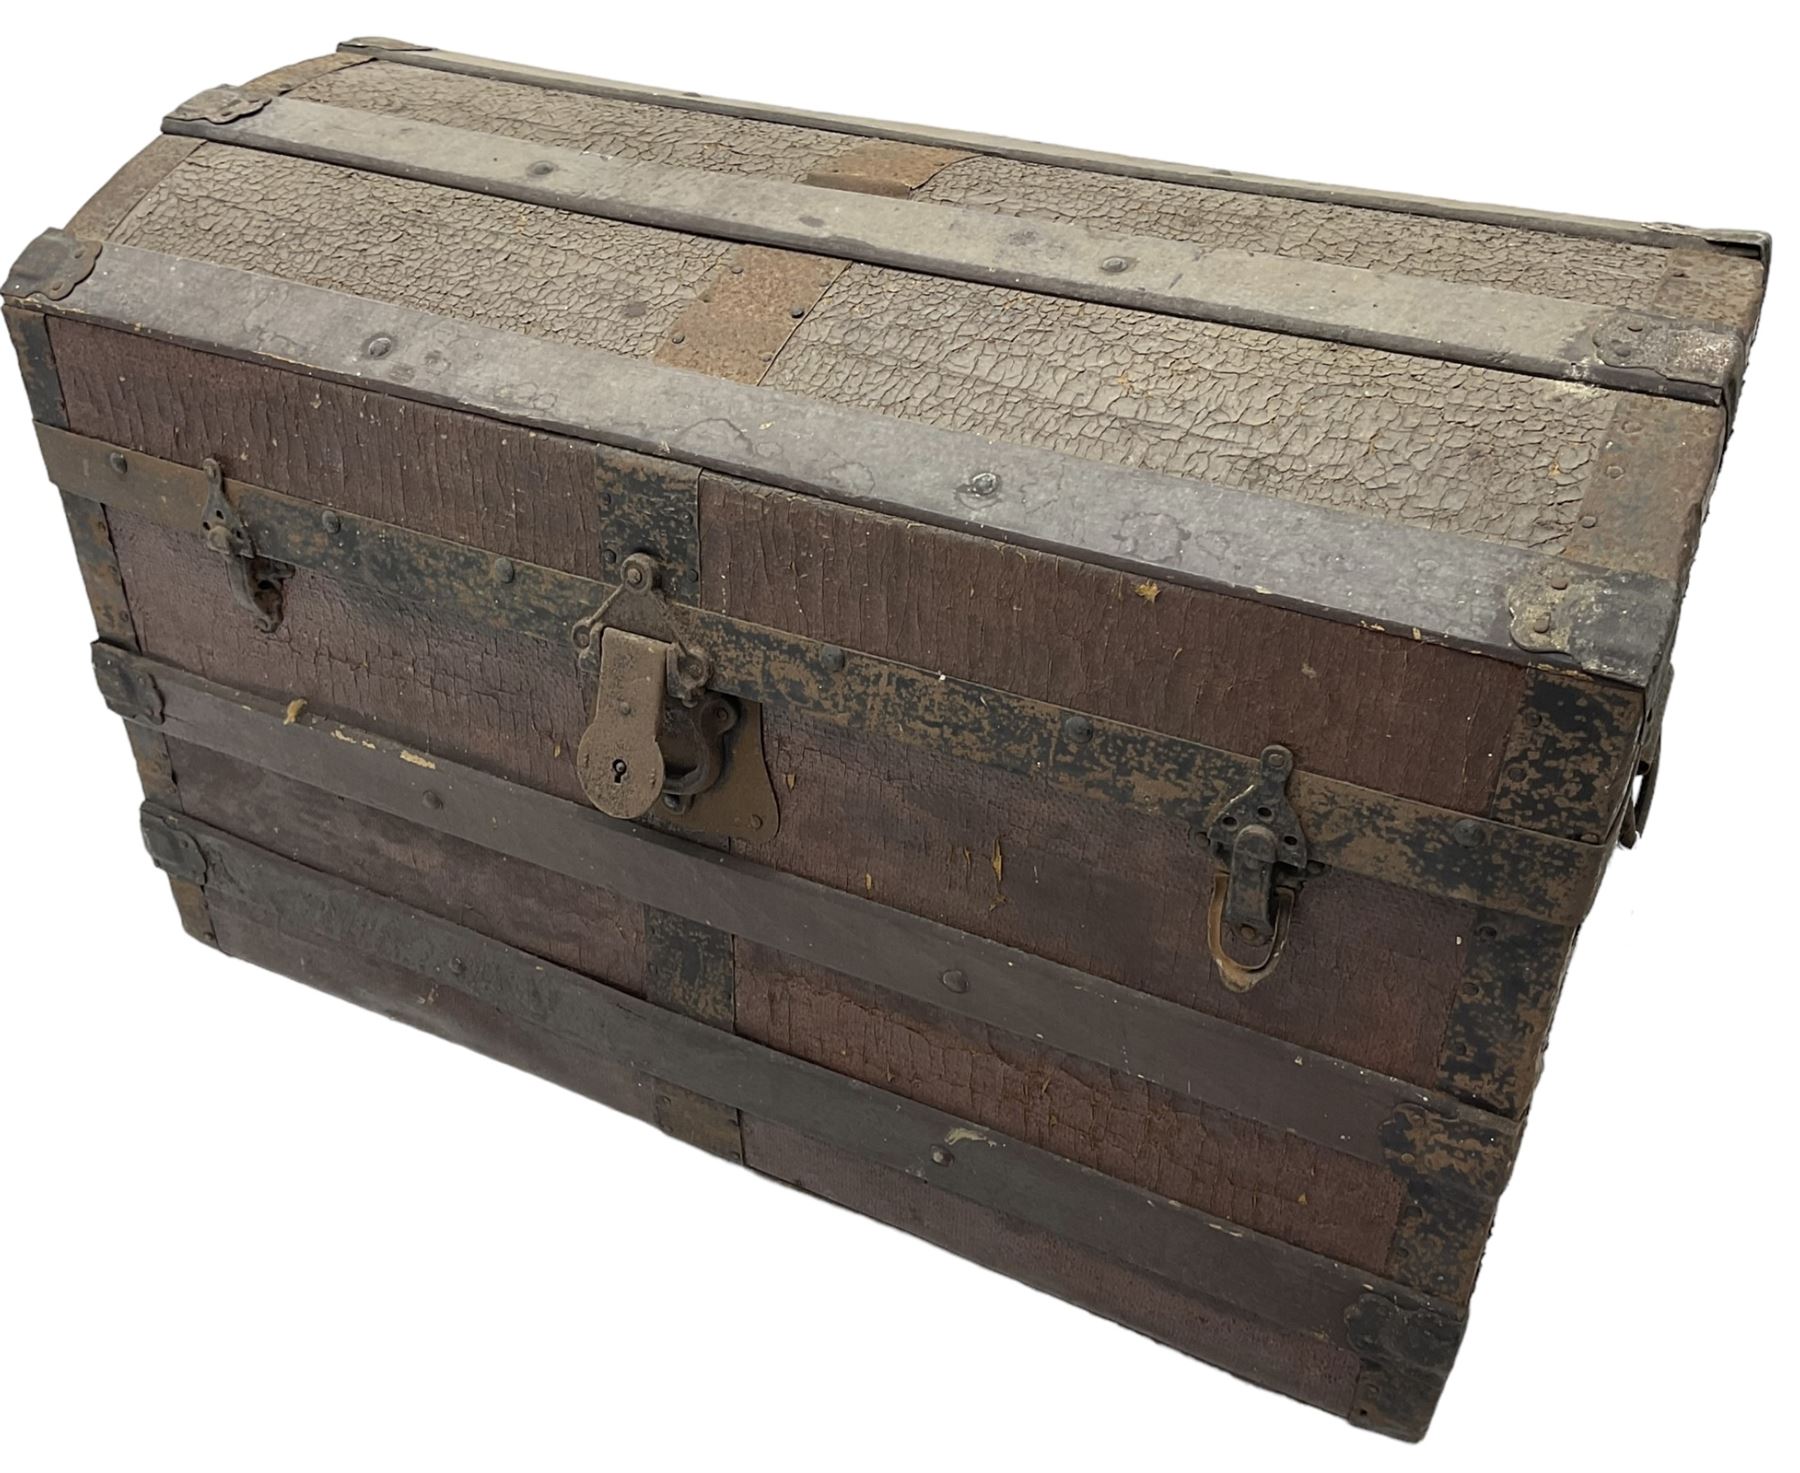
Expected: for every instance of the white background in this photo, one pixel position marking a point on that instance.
(248, 1227)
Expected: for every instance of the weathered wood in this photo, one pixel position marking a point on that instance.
(1351, 703)
(1138, 1133)
(1369, 977)
(517, 493)
(543, 912)
(1322, 1374)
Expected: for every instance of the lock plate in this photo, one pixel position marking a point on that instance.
(620, 760)
(661, 745)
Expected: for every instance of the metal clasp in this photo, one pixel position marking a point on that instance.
(1261, 851)
(256, 582)
(658, 735)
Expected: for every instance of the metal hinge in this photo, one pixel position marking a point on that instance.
(659, 741)
(1261, 852)
(256, 582)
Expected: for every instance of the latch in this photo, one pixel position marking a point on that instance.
(256, 582)
(1262, 856)
(659, 740)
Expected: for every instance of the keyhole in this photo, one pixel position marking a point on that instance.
(619, 769)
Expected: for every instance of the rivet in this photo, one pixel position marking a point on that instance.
(1078, 730)
(1590, 521)
(1467, 833)
(379, 346)
(955, 981)
(1590, 838)
(541, 168)
(832, 657)
(983, 483)
(504, 570)
(609, 556)
(117, 461)
(678, 338)
(432, 801)
(634, 575)
(1516, 773)
(796, 313)
(606, 499)
(756, 821)
(1559, 581)
(582, 639)
(1634, 327)
(1633, 426)
(1613, 472)
(940, 1156)
(458, 966)
(737, 268)
(1541, 624)
(1487, 932)
(331, 522)
(1113, 265)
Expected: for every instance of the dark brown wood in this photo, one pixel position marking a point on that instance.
(1322, 1374)
(1371, 972)
(1136, 1132)
(1368, 977)
(1354, 704)
(516, 492)
(579, 926)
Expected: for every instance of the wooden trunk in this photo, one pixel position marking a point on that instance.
(1071, 704)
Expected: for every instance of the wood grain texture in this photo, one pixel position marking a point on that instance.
(1368, 975)
(1298, 1365)
(537, 910)
(1134, 1131)
(512, 491)
(1382, 711)
(1411, 440)
(503, 702)
(407, 997)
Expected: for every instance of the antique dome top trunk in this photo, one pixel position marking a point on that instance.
(1072, 704)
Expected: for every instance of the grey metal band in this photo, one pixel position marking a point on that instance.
(1462, 591)
(1745, 242)
(1399, 841)
(1189, 1248)
(1312, 1095)
(1482, 326)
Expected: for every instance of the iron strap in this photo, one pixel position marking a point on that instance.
(1396, 840)
(1670, 237)
(1412, 583)
(1478, 325)
(1189, 1248)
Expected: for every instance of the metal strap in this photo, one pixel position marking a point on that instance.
(1397, 840)
(1477, 325)
(1743, 242)
(1463, 591)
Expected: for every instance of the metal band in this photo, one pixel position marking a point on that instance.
(1477, 325)
(1191, 1249)
(1462, 591)
(1396, 840)
(1312, 1095)
(1742, 242)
